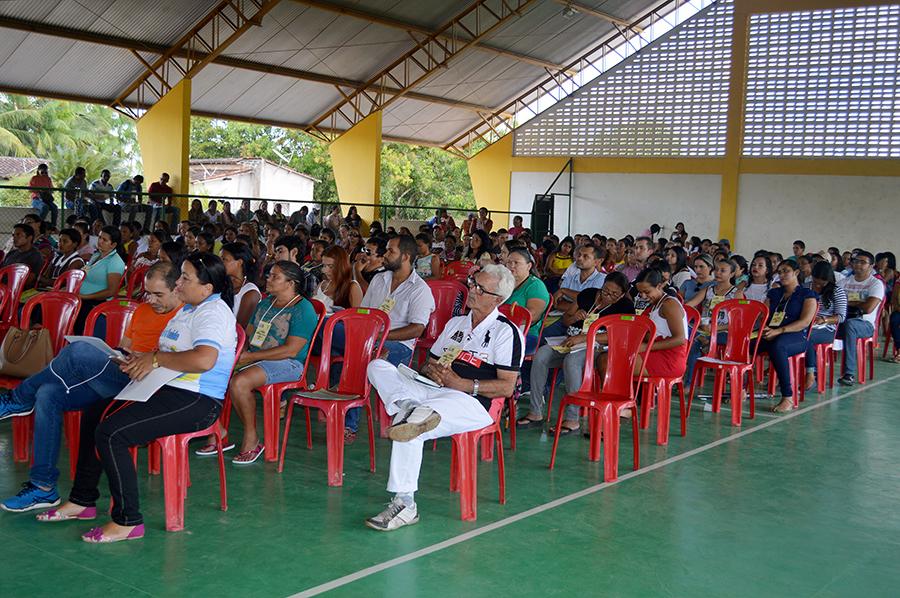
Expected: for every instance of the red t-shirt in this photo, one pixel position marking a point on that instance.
(145, 327)
(160, 188)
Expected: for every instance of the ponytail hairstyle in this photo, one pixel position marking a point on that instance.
(295, 274)
(824, 271)
(211, 270)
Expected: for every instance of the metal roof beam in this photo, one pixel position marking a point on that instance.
(593, 12)
(480, 18)
(216, 31)
(415, 28)
(222, 60)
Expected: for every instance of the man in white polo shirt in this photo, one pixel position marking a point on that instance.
(866, 293)
(476, 357)
(407, 300)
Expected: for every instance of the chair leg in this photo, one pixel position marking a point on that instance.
(223, 486)
(562, 406)
(487, 447)
(663, 411)
(172, 485)
(646, 391)
(153, 458)
(610, 423)
(334, 441)
(270, 423)
(308, 430)
(467, 478)
(751, 395)
(682, 408)
(72, 426)
(718, 389)
(23, 437)
(737, 396)
(596, 434)
(511, 418)
(550, 394)
(371, 425)
(287, 430)
(501, 471)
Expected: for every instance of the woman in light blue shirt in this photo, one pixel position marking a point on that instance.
(103, 272)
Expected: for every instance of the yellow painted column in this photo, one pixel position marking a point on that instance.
(490, 171)
(731, 167)
(164, 134)
(356, 161)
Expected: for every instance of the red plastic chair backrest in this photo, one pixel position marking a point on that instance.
(547, 310)
(518, 315)
(118, 314)
(693, 320)
(365, 330)
(13, 277)
(4, 294)
(58, 313)
(44, 267)
(135, 278)
(744, 316)
(123, 279)
(625, 333)
(458, 270)
(69, 281)
(445, 293)
(321, 314)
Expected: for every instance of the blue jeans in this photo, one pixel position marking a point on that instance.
(557, 328)
(895, 327)
(780, 349)
(41, 207)
(696, 352)
(817, 337)
(397, 353)
(76, 363)
(157, 213)
(849, 331)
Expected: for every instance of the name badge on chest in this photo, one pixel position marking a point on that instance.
(260, 334)
(388, 304)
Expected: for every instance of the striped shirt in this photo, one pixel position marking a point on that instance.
(837, 307)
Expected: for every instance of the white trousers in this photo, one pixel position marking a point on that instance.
(459, 413)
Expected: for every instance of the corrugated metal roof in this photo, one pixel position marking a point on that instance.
(296, 36)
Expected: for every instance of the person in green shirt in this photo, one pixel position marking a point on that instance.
(278, 338)
(530, 293)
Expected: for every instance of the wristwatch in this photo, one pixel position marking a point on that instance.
(155, 360)
(474, 388)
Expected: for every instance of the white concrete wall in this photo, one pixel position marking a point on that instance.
(621, 204)
(267, 181)
(823, 211)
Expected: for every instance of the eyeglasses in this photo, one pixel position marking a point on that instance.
(366, 250)
(479, 289)
(610, 294)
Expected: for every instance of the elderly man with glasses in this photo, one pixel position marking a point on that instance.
(476, 357)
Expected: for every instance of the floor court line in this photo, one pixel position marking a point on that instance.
(362, 573)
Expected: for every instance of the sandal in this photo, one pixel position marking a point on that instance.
(53, 515)
(210, 449)
(783, 409)
(527, 422)
(95, 535)
(349, 436)
(248, 457)
(563, 430)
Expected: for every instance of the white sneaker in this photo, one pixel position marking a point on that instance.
(422, 419)
(395, 516)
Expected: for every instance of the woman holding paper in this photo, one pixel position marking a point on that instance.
(198, 347)
(569, 353)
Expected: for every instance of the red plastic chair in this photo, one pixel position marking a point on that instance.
(736, 359)
(365, 331)
(458, 270)
(464, 461)
(13, 278)
(58, 311)
(445, 293)
(797, 363)
(134, 280)
(69, 281)
(624, 337)
(118, 315)
(521, 317)
(658, 389)
(176, 465)
(272, 393)
(865, 350)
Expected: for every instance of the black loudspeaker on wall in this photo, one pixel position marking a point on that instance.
(541, 217)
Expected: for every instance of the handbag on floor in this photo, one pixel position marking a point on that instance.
(25, 352)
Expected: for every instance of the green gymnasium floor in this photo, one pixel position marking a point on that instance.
(798, 505)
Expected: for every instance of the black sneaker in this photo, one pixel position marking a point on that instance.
(846, 380)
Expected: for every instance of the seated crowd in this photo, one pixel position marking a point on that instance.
(261, 272)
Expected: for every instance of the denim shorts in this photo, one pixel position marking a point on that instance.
(283, 370)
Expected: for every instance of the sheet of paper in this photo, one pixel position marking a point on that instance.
(141, 390)
(413, 375)
(96, 343)
(554, 340)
